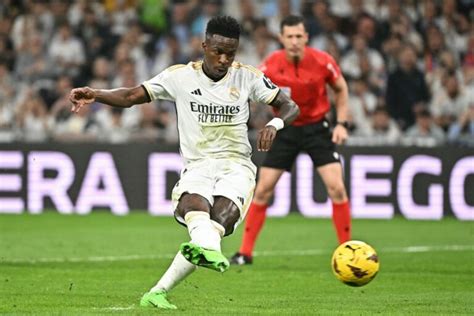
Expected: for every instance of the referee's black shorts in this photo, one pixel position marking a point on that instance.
(313, 139)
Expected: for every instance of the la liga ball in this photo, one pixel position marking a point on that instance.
(355, 263)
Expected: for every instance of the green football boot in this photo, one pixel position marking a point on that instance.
(202, 257)
(156, 299)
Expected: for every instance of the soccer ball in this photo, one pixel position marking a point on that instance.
(355, 263)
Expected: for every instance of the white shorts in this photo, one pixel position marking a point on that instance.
(217, 177)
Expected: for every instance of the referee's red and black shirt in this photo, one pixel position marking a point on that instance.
(306, 81)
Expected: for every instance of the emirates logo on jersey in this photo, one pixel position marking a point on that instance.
(234, 94)
(214, 113)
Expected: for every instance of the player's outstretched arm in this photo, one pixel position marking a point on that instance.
(120, 97)
(288, 111)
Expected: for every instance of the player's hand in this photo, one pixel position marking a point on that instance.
(339, 134)
(265, 138)
(80, 97)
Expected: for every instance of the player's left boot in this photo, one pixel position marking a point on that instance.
(156, 299)
(202, 257)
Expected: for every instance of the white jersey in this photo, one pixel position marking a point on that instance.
(212, 116)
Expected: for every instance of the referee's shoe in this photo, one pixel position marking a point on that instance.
(240, 259)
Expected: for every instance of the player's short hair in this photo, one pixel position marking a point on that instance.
(291, 20)
(223, 25)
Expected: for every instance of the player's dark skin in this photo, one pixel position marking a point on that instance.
(219, 53)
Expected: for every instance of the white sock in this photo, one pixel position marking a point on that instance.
(204, 232)
(179, 269)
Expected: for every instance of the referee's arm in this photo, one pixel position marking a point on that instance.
(340, 132)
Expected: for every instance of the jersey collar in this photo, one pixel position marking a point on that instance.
(209, 80)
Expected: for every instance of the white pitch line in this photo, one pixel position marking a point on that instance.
(116, 308)
(88, 259)
(409, 249)
(269, 253)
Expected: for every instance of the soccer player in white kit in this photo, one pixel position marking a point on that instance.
(217, 182)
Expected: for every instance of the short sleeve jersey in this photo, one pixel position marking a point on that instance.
(305, 82)
(212, 116)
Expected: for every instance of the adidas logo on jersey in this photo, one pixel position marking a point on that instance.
(196, 92)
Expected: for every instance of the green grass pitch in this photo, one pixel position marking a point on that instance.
(102, 264)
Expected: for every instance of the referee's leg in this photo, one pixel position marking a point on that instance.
(331, 174)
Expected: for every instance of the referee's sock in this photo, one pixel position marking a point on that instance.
(341, 217)
(253, 225)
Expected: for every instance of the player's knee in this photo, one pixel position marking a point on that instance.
(226, 218)
(191, 202)
(337, 192)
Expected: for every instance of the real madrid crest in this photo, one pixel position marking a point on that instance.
(234, 93)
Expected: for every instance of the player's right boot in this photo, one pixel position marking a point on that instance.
(240, 259)
(156, 299)
(202, 257)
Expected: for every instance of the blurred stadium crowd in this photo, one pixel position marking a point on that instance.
(409, 64)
